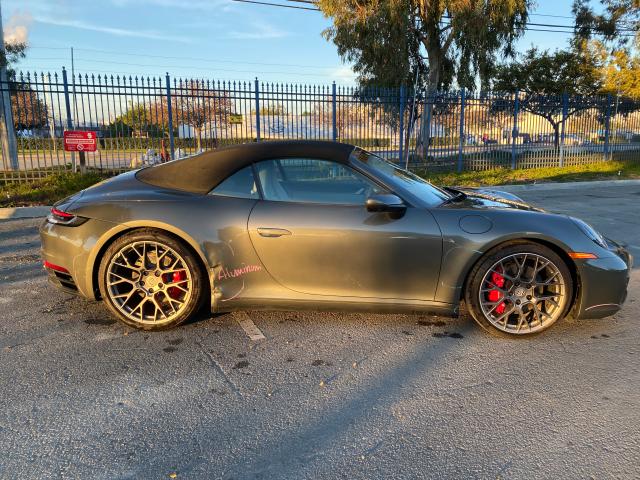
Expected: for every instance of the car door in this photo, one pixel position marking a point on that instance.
(314, 235)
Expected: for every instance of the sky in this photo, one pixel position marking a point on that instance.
(210, 39)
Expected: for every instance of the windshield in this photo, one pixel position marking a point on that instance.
(406, 180)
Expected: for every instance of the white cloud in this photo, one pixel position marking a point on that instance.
(260, 31)
(344, 74)
(17, 28)
(120, 32)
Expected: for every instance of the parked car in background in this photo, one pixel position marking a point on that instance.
(574, 139)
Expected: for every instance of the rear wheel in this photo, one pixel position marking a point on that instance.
(150, 280)
(519, 289)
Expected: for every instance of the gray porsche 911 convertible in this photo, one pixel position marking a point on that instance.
(323, 225)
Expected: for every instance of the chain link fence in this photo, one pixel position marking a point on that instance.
(145, 120)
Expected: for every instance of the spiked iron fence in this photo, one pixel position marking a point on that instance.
(143, 120)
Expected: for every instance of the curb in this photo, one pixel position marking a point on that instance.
(564, 186)
(23, 212)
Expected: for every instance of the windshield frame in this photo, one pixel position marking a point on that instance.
(441, 195)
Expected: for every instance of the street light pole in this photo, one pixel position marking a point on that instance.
(7, 129)
(75, 110)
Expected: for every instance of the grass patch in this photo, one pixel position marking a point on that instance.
(47, 190)
(612, 170)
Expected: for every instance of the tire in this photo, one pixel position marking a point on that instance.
(512, 291)
(156, 295)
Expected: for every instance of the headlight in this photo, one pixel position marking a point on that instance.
(590, 232)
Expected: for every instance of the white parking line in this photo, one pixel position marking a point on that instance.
(249, 327)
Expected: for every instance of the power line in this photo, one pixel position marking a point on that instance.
(277, 5)
(314, 2)
(192, 67)
(445, 16)
(554, 25)
(550, 15)
(196, 59)
(158, 75)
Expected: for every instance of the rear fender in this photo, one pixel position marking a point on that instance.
(108, 237)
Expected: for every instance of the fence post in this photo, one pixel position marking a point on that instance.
(67, 106)
(565, 111)
(333, 102)
(172, 144)
(257, 90)
(403, 101)
(7, 129)
(607, 128)
(461, 134)
(427, 132)
(514, 133)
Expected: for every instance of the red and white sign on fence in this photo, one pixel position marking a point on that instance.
(80, 141)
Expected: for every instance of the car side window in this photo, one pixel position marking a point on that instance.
(241, 184)
(310, 180)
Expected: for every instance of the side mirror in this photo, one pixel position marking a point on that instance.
(385, 202)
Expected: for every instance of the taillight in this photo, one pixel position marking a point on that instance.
(61, 217)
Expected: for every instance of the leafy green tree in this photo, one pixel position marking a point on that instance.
(197, 104)
(418, 42)
(391, 42)
(118, 128)
(13, 52)
(136, 117)
(622, 75)
(139, 119)
(193, 103)
(614, 28)
(542, 78)
(28, 110)
(616, 21)
(550, 73)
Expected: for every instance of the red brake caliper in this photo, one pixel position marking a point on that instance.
(494, 295)
(175, 277)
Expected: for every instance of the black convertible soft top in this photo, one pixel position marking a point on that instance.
(201, 173)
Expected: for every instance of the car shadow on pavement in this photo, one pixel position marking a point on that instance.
(283, 457)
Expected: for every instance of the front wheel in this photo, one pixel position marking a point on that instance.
(150, 281)
(519, 289)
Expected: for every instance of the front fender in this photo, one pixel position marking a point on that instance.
(462, 250)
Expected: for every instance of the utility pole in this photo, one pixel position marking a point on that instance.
(73, 85)
(75, 112)
(7, 129)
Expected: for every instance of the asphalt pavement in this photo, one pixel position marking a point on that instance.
(324, 395)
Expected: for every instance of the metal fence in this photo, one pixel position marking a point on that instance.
(144, 120)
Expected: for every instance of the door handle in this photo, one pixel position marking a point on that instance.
(272, 232)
